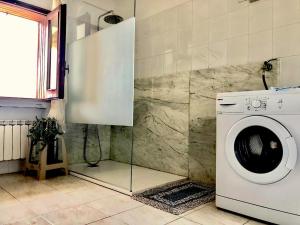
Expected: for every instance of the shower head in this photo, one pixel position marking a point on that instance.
(113, 19)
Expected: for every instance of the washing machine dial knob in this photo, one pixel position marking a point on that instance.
(256, 103)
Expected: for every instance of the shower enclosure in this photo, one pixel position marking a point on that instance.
(101, 132)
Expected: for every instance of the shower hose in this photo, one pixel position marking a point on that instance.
(90, 163)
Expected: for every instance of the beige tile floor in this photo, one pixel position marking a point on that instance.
(69, 200)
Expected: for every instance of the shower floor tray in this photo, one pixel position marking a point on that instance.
(116, 174)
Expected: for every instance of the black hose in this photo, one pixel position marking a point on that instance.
(265, 82)
(266, 67)
(92, 164)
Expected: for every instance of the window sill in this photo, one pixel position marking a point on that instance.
(24, 103)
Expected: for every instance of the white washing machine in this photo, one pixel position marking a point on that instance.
(258, 173)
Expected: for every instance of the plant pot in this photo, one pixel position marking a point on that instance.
(34, 154)
(52, 152)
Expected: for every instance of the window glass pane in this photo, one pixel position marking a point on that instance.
(53, 25)
(18, 56)
(258, 149)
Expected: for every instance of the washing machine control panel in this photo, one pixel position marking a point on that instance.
(257, 104)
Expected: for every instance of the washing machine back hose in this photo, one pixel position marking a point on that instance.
(266, 68)
(92, 164)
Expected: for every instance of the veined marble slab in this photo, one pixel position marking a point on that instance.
(202, 153)
(161, 123)
(204, 85)
(121, 144)
(161, 137)
(74, 138)
(160, 130)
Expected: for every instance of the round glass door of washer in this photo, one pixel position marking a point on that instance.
(260, 149)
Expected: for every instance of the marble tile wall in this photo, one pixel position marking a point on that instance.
(175, 123)
(74, 138)
(204, 84)
(161, 123)
(121, 144)
(160, 132)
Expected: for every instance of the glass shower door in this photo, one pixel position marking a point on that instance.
(99, 110)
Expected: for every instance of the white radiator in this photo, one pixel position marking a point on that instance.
(13, 139)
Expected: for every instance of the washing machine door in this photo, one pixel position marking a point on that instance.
(260, 149)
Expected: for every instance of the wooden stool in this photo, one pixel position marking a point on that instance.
(42, 167)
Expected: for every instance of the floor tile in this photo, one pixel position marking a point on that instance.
(51, 202)
(89, 194)
(196, 209)
(109, 221)
(26, 191)
(6, 199)
(15, 213)
(115, 204)
(67, 184)
(69, 200)
(252, 222)
(31, 221)
(15, 178)
(183, 221)
(210, 215)
(146, 215)
(74, 216)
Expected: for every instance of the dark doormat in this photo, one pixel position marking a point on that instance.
(177, 198)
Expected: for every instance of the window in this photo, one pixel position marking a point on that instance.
(32, 51)
(18, 56)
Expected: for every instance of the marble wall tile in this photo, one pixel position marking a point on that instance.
(204, 85)
(172, 88)
(121, 144)
(160, 133)
(246, 77)
(74, 142)
(143, 89)
(202, 153)
(161, 123)
(160, 137)
(74, 138)
(105, 136)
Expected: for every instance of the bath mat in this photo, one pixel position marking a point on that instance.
(177, 198)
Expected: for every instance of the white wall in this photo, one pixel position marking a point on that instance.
(210, 33)
(146, 8)
(125, 8)
(105, 4)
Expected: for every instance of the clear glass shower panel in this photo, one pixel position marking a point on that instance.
(113, 159)
(100, 91)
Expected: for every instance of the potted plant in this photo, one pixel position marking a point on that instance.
(43, 133)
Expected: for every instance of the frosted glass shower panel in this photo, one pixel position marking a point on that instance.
(101, 79)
